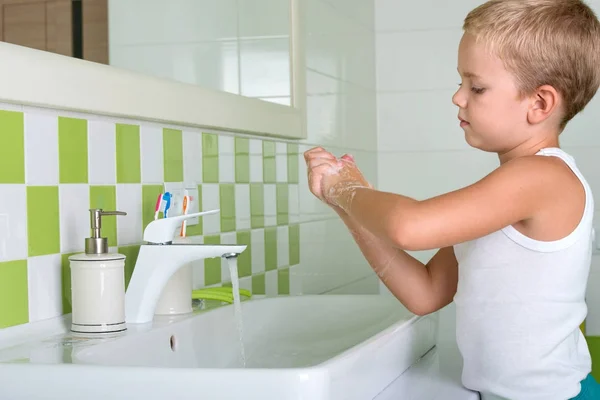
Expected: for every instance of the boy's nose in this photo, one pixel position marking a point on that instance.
(459, 99)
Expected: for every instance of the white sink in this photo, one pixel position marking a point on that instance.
(306, 347)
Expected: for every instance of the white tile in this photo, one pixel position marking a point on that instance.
(270, 203)
(360, 11)
(74, 200)
(211, 201)
(129, 227)
(283, 246)
(227, 238)
(13, 222)
(256, 168)
(257, 243)
(102, 152)
(152, 157)
(242, 207)
(265, 67)
(329, 257)
(582, 130)
(359, 118)
(256, 147)
(281, 148)
(44, 281)
(263, 18)
(294, 204)
(192, 157)
(41, 148)
(324, 119)
(420, 132)
(271, 283)
(295, 283)
(226, 159)
(394, 15)
(436, 52)
(281, 170)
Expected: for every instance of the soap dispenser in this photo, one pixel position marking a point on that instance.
(98, 283)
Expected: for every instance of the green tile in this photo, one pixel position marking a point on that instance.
(227, 195)
(292, 168)
(131, 253)
(173, 155)
(14, 304)
(283, 281)
(43, 227)
(242, 160)
(292, 148)
(270, 248)
(212, 266)
(12, 151)
(105, 197)
(227, 284)
(128, 154)
(149, 195)
(257, 205)
(594, 346)
(66, 283)
(196, 230)
(269, 174)
(210, 158)
(282, 204)
(72, 150)
(294, 234)
(244, 259)
(258, 284)
(268, 148)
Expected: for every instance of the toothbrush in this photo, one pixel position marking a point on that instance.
(186, 200)
(158, 206)
(167, 199)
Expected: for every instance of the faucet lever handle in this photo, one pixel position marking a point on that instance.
(163, 230)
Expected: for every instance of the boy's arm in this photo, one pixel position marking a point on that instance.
(512, 193)
(422, 289)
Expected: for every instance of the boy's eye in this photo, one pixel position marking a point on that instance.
(477, 90)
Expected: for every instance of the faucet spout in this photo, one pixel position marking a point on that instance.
(153, 268)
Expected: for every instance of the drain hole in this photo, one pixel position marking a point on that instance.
(173, 343)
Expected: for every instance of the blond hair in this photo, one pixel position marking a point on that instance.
(544, 42)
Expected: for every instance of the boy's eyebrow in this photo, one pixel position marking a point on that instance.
(468, 74)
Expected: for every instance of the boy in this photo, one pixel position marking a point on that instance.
(515, 247)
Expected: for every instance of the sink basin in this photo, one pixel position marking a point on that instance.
(306, 347)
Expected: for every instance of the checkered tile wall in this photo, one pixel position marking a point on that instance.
(54, 167)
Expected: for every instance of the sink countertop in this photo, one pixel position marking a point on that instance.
(52, 342)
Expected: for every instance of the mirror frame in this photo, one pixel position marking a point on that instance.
(38, 78)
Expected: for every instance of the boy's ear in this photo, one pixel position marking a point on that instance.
(544, 102)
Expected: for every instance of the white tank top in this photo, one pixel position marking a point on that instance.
(519, 305)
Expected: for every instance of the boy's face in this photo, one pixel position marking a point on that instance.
(492, 113)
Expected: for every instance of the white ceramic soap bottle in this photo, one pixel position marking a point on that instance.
(98, 283)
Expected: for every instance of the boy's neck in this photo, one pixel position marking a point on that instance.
(529, 148)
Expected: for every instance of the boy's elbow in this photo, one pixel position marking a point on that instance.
(406, 234)
(421, 310)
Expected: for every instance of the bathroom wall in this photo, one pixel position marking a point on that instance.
(422, 151)
(55, 165)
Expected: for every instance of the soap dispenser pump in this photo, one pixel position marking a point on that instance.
(98, 283)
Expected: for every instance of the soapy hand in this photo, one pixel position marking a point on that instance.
(332, 179)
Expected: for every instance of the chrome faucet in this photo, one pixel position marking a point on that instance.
(159, 259)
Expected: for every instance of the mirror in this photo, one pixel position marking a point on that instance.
(229, 65)
(236, 46)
